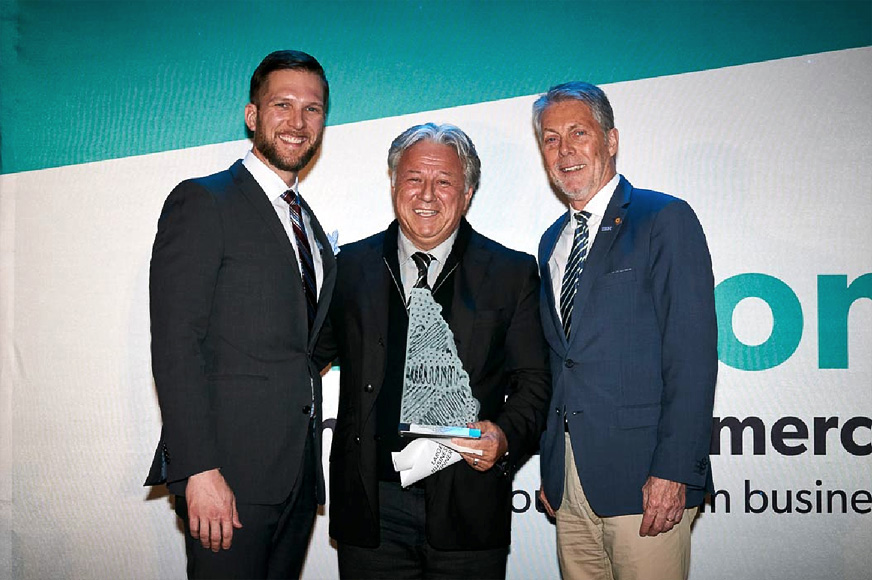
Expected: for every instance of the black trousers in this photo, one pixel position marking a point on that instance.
(273, 539)
(404, 551)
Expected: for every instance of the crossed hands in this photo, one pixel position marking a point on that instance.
(212, 514)
(493, 444)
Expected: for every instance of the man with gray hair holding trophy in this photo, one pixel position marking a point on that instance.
(436, 328)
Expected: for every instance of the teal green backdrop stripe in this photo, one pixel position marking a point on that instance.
(87, 81)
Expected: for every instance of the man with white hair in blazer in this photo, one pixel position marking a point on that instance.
(628, 312)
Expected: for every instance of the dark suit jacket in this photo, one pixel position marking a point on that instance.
(494, 315)
(637, 377)
(230, 341)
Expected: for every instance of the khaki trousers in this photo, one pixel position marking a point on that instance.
(593, 548)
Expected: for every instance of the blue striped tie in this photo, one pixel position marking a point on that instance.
(574, 265)
(304, 253)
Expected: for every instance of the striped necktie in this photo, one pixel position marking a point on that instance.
(304, 253)
(574, 265)
(422, 261)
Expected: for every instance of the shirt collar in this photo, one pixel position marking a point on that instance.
(405, 248)
(600, 201)
(271, 184)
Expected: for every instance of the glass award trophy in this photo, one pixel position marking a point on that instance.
(437, 399)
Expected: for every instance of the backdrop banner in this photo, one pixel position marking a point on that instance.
(775, 159)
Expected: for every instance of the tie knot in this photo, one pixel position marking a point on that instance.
(422, 261)
(291, 197)
(582, 216)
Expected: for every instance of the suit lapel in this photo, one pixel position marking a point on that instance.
(374, 287)
(261, 203)
(596, 262)
(328, 264)
(546, 249)
(470, 260)
(258, 199)
(255, 195)
(390, 266)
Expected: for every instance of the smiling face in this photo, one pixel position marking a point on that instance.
(429, 193)
(579, 158)
(287, 121)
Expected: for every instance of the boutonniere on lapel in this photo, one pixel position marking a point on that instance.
(333, 238)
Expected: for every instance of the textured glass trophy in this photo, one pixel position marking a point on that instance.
(437, 399)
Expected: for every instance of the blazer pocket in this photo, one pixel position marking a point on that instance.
(617, 277)
(638, 417)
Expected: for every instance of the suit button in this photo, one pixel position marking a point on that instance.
(357, 440)
(307, 410)
(368, 388)
(569, 363)
(381, 341)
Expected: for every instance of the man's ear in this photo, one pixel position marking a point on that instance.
(251, 116)
(613, 141)
(468, 196)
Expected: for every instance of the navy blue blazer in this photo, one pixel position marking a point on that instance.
(636, 380)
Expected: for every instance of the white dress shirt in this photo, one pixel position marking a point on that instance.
(408, 268)
(597, 208)
(273, 186)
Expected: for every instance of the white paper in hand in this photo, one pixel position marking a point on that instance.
(423, 457)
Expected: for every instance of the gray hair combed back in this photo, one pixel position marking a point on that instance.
(590, 95)
(444, 134)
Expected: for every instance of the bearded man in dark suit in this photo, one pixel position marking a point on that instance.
(241, 279)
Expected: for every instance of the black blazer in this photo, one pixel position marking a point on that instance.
(494, 316)
(230, 339)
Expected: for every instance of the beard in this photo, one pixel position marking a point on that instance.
(577, 194)
(293, 163)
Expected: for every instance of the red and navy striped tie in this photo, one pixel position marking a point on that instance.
(304, 253)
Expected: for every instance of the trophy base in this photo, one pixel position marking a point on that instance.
(413, 430)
